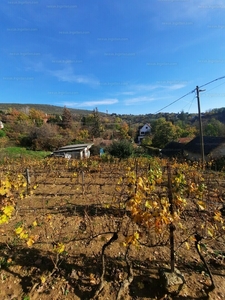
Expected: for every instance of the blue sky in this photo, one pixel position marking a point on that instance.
(125, 57)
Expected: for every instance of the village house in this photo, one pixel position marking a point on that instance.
(143, 131)
(79, 151)
(214, 148)
(1, 125)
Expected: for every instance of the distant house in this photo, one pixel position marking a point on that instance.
(79, 151)
(214, 147)
(1, 125)
(143, 131)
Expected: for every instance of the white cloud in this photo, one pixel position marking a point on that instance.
(67, 75)
(99, 102)
(177, 86)
(138, 100)
(93, 103)
(143, 88)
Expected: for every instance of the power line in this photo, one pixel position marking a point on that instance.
(212, 81)
(175, 101)
(189, 93)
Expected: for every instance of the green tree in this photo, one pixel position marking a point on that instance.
(214, 128)
(121, 149)
(96, 124)
(164, 132)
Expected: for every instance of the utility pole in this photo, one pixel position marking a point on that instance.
(200, 127)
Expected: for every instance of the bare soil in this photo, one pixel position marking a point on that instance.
(75, 211)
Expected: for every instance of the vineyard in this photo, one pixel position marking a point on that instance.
(77, 229)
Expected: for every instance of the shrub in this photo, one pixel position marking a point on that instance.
(2, 133)
(121, 149)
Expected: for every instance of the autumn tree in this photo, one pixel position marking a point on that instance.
(37, 116)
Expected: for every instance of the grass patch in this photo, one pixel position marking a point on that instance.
(18, 152)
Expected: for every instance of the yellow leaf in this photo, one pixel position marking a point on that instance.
(4, 219)
(23, 235)
(147, 204)
(35, 223)
(48, 217)
(43, 279)
(8, 210)
(18, 230)
(60, 248)
(136, 235)
(187, 245)
(3, 191)
(218, 217)
(155, 204)
(30, 242)
(201, 205)
(210, 232)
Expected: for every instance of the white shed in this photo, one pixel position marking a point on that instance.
(74, 151)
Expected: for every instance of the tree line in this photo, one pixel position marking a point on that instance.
(36, 130)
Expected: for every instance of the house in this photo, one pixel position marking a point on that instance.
(79, 151)
(1, 125)
(143, 131)
(214, 147)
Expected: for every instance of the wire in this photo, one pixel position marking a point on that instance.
(212, 81)
(189, 93)
(216, 87)
(191, 103)
(175, 101)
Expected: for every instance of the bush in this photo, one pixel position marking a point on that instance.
(2, 133)
(95, 150)
(219, 164)
(121, 149)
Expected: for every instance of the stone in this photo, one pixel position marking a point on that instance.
(172, 282)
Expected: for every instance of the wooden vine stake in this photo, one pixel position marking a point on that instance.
(83, 182)
(27, 174)
(172, 226)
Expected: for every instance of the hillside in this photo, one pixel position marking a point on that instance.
(48, 109)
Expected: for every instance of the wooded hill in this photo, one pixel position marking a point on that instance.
(217, 113)
(48, 109)
(47, 127)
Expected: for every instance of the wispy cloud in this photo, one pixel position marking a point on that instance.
(177, 86)
(143, 88)
(138, 100)
(92, 103)
(67, 75)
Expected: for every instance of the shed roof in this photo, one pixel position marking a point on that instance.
(210, 143)
(75, 146)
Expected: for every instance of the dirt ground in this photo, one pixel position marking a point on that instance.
(74, 210)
